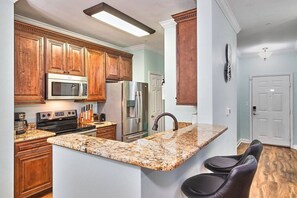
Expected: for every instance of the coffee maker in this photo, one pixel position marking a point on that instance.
(20, 124)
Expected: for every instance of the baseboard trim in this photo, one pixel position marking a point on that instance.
(294, 147)
(242, 140)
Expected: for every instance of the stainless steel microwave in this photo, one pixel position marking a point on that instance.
(66, 87)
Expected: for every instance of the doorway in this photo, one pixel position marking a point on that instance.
(271, 105)
(155, 101)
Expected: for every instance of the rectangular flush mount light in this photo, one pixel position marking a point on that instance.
(116, 18)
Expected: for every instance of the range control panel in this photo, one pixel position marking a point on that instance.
(49, 115)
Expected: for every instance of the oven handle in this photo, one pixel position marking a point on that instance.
(81, 88)
(88, 131)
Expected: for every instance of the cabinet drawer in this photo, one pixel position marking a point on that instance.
(107, 132)
(30, 145)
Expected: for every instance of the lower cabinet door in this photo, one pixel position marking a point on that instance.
(33, 172)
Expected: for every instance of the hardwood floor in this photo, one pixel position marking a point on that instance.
(276, 176)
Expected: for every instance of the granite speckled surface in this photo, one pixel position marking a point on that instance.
(32, 135)
(104, 124)
(164, 151)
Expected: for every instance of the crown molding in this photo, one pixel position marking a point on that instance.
(226, 9)
(168, 23)
(63, 31)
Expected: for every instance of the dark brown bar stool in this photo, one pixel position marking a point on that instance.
(235, 184)
(224, 164)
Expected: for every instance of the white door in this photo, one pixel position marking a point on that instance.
(155, 102)
(271, 109)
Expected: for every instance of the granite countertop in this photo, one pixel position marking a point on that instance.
(32, 135)
(100, 124)
(163, 151)
(104, 124)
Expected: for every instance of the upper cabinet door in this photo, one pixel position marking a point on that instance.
(125, 68)
(76, 60)
(28, 68)
(186, 57)
(112, 67)
(95, 61)
(55, 56)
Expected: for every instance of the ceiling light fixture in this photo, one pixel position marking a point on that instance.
(116, 18)
(265, 54)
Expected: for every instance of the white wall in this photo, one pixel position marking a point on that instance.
(6, 99)
(145, 61)
(280, 63)
(182, 112)
(138, 65)
(214, 95)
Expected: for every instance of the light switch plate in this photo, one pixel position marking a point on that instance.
(228, 111)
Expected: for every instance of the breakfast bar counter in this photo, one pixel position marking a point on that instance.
(163, 151)
(154, 166)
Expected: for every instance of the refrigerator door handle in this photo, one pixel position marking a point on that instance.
(138, 106)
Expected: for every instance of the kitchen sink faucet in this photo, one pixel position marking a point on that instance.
(155, 126)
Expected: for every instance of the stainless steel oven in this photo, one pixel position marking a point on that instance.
(66, 87)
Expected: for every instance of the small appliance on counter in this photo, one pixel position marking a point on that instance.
(102, 117)
(20, 124)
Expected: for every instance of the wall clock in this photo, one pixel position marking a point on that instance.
(227, 67)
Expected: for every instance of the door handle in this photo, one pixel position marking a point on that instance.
(254, 110)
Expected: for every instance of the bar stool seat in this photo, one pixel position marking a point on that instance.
(224, 164)
(208, 183)
(236, 184)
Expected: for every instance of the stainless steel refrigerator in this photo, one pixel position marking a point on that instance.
(127, 105)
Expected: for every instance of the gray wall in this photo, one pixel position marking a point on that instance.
(6, 99)
(282, 63)
(214, 94)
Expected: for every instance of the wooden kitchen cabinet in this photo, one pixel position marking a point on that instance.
(118, 67)
(186, 57)
(64, 58)
(33, 168)
(112, 65)
(95, 61)
(76, 60)
(125, 68)
(28, 68)
(108, 132)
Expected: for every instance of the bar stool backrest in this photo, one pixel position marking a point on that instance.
(239, 180)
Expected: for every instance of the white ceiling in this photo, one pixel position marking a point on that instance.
(68, 14)
(266, 23)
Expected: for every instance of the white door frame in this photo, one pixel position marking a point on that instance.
(291, 114)
(149, 103)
